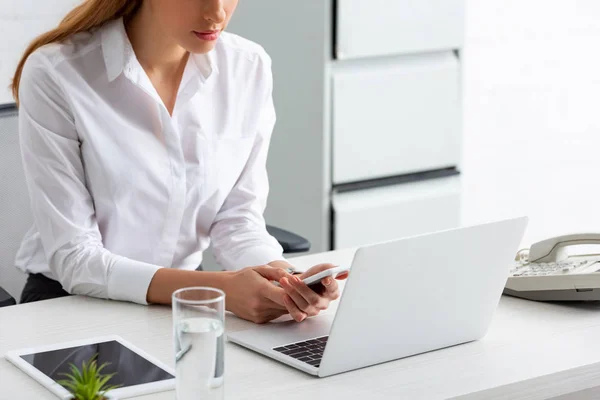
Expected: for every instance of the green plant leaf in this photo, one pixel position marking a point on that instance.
(76, 373)
(88, 382)
(98, 372)
(103, 381)
(69, 386)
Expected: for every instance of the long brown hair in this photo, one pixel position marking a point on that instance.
(85, 17)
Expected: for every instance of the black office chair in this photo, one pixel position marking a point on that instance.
(6, 299)
(290, 242)
(14, 219)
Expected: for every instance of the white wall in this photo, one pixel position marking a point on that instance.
(532, 114)
(20, 22)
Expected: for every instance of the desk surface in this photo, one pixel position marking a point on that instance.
(532, 351)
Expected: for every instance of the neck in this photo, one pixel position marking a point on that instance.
(155, 51)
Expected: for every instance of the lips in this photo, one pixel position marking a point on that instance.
(207, 35)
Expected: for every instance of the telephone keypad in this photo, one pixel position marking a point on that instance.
(554, 268)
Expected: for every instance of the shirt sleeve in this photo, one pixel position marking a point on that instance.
(238, 234)
(63, 209)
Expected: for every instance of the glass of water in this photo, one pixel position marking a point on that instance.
(198, 325)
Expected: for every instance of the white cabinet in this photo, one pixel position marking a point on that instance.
(390, 212)
(368, 99)
(396, 118)
(383, 27)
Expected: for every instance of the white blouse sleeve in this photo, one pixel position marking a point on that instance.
(63, 209)
(239, 234)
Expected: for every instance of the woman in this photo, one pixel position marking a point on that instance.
(144, 134)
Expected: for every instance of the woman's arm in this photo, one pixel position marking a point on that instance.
(249, 292)
(238, 234)
(63, 209)
(168, 280)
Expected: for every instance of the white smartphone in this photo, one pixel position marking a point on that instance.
(315, 280)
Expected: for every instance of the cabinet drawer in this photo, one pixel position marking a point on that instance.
(396, 118)
(387, 213)
(383, 27)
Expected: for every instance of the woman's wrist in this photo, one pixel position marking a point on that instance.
(218, 280)
(168, 280)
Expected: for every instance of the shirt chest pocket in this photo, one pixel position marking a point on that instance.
(225, 158)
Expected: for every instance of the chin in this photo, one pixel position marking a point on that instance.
(201, 49)
(197, 46)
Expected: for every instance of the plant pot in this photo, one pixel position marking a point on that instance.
(106, 397)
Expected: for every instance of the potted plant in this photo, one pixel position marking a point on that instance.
(88, 383)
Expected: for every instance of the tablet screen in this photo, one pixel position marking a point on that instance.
(129, 367)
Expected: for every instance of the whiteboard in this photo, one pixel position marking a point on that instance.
(20, 22)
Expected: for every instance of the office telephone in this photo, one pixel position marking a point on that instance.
(546, 272)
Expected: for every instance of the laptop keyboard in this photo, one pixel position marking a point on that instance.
(310, 351)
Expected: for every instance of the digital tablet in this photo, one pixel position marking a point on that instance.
(137, 372)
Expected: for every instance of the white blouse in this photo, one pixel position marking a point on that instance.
(119, 188)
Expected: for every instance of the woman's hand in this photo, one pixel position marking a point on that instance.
(301, 301)
(251, 295)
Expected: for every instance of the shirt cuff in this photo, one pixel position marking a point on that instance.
(129, 280)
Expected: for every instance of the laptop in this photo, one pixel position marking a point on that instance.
(402, 298)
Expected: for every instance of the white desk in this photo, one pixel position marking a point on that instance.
(532, 351)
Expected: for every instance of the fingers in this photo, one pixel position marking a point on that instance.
(293, 309)
(305, 298)
(332, 289)
(293, 297)
(296, 297)
(268, 290)
(272, 293)
(308, 294)
(342, 276)
(271, 273)
(269, 304)
(327, 287)
(261, 310)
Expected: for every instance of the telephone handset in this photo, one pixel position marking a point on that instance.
(554, 249)
(546, 272)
